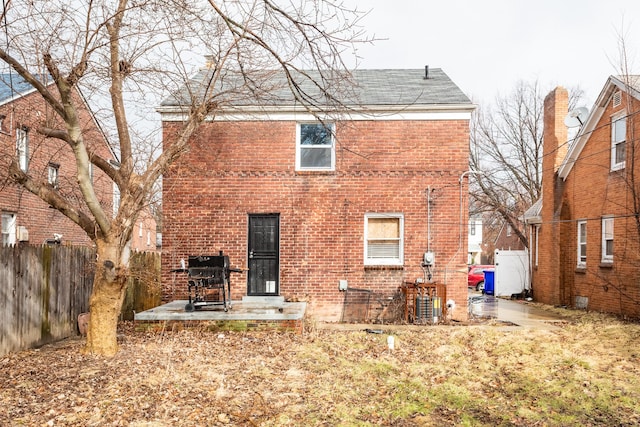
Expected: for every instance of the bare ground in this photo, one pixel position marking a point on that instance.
(585, 373)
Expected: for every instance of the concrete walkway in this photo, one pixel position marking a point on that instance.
(516, 313)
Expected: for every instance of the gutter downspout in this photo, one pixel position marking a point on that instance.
(460, 225)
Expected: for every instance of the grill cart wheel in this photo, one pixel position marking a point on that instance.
(189, 307)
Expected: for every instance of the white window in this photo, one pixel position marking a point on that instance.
(472, 227)
(148, 238)
(52, 174)
(22, 147)
(607, 239)
(509, 230)
(315, 147)
(618, 141)
(537, 244)
(140, 228)
(8, 229)
(582, 243)
(384, 241)
(116, 199)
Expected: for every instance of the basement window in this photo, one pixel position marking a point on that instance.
(384, 239)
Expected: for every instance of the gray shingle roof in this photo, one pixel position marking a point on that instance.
(381, 87)
(406, 87)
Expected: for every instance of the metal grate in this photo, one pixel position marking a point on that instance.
(356, 305)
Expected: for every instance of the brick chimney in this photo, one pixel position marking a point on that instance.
(556, 106)
(547, 284)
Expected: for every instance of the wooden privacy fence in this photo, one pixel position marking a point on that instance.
(42, 291)
(144, 288)
(44, 288)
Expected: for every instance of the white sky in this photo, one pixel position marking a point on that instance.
(487, 46)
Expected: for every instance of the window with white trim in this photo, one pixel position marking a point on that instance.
(315, 147)
(607, 239)
(8, 228)
(618, 141)
(537, 244)
(582, 243)
(22, 147)
(116, 199)
(384, 241)
(52, 174)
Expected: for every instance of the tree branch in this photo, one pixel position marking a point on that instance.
(53, 198)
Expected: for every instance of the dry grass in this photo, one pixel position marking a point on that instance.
(585, 373)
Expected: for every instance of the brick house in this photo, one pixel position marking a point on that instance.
(507, 239)
(474, 241)
(25, 217)
(584, 233)
(301, 205)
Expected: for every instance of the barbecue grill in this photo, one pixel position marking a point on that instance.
(209, 282)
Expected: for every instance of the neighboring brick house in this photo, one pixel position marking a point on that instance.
(475, 241)
(507, 239)
(585, 235)
(25, 217)
(145, 233)
(301, 205)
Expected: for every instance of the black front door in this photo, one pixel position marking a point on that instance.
(264, 262)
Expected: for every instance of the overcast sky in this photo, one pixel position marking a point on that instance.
(487, 46)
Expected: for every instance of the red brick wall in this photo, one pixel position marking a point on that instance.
(546, 278)
(234, 169)
(592, 191)
(143, 237)
(40, 220)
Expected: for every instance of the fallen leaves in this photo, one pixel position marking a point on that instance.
(434, 375)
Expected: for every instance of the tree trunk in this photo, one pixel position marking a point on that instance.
(105, 303)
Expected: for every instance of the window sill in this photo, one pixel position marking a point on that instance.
(606, 264)
(617, 170)
(581, 269)
(315, 172)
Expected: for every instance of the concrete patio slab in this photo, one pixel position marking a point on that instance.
(259, 309)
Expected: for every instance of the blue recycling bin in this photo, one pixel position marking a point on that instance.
(489, 282)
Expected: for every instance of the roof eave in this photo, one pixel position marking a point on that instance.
(373, 110)
(590, 124)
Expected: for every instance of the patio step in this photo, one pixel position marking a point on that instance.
(263, 300)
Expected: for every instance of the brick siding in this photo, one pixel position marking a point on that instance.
(234, 169)
(590, 191)
(31, 212)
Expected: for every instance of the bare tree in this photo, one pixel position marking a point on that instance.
(127, 54)
(506, 148)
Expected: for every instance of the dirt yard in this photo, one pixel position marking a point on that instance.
(584, 373)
